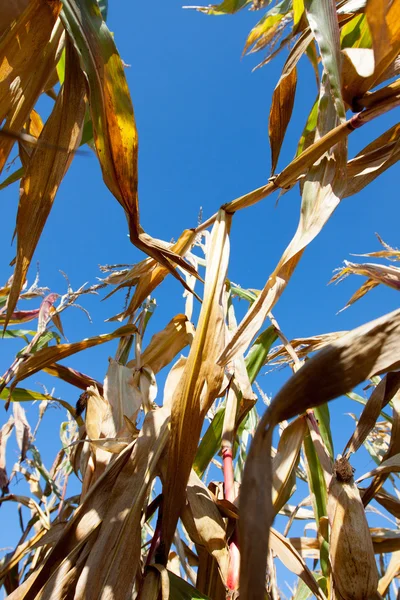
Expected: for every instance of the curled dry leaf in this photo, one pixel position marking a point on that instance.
(204, 524)
(166, 344)
(47, 356)
(371, 349)
(376, 274)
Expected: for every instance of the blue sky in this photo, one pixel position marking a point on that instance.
(202, 117)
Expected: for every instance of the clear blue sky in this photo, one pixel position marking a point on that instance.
(202, 117)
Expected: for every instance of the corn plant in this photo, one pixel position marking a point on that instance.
(154, 517)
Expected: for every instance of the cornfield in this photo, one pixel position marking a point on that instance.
(188, 492)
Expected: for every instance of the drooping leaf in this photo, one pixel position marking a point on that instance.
(47, 356)
(33, 39)
(46, 170)
(335, 370)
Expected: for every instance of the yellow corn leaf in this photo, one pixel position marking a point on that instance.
(280, 113)
(28, 52)
(200, 382)
(166, 344)
(114, 128)
(204, 524)
(366, 351)
(46, 170)
(383, 21)
(264, 31)
(322, 192)
(363, 69)
(47, 356)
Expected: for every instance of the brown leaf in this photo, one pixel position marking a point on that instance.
(200, 382)
(32, 40)
(46, 170)
(76, 378)
(280, 113)
(47, 356)
(204, 524)
(379, 398)
(166, 344)
(370, 349)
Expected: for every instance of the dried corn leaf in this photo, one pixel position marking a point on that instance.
(33, 39)
(156, 273)
(285, 462)
(379, 398)
(390, 465)
(373, 160)
(22, 430)
(122, 394)
(76, 378)
(5, 433)
(114, 128)
(280, 113)
(292, 560)
(303, 347)
(204, 524)
(46, 170)
(377, 274)
(368, 350)
(47, 356)
(166, 344)
(322, 192)
(389, 502)
(115, 556)
(111, 107)
(390, 573)
(201, 380)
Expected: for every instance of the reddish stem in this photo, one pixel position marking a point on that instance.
(229, 493)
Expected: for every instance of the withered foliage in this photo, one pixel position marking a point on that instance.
(148, 523)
